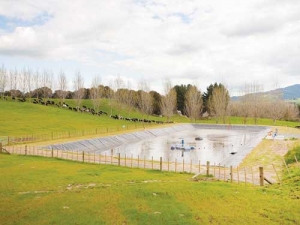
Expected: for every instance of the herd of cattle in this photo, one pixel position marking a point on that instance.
(85, 109)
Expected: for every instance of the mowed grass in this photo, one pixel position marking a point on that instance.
(35, 190)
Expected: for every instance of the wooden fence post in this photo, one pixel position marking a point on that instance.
(83, 156)
(231, 174)
(207, 168)
(119, 159)
(152, 162)
(261, 176)
(279, 181)
(245, 176)
(238, 174)
(252, 175)
(160, 164)
(224, 173)
(286, 166)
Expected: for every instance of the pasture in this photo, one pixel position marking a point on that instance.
(37, 190)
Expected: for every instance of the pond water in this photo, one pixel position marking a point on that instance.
(215, 146)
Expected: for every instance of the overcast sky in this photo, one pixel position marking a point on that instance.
(202, 41)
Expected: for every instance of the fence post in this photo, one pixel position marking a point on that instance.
(286, 166)
(152, 162)
(238, 174)
(52, 152)
(276, 173)
(119, 159)
(261, 176)
(160, 164)
(245, 176)
(231, 174)
(199, 166)
(207, 168)
(252, 175)
(25, 149)
(83, 156)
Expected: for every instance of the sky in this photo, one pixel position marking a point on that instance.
(197, 42)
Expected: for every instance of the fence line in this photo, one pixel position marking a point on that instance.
(250, 175)
(23, 139)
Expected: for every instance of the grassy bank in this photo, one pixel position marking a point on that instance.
(38, 190)
(24, 118)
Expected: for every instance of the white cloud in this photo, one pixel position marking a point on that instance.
(210, 41)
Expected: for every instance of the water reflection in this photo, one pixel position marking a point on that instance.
(216, 145)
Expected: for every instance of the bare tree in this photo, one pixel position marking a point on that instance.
(62, 86)
(251, 103)
(168, 101)
(3, 80)
(13, 82)
(145, 99)
(129, 98)
(291, 112)
(96, 92)
(218, 102)
(29, 83)
(193, 102)
(47, 82)
(119, 91)
(37, 82)
(78, 83)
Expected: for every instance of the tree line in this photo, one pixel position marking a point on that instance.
(186, 100)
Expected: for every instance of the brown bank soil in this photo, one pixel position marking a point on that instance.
(269, 154)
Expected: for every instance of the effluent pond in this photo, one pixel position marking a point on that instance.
(193, 143)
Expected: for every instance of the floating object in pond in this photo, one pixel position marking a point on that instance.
(232, 153)
(180, 147)
(198, 138)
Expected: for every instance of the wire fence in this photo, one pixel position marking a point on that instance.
(202, 170)
(29, 138)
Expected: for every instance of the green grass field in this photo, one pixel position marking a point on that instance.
(38, 190)
(17, 118)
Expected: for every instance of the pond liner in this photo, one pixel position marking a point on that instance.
(102, 144)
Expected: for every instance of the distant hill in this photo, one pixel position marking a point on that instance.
(289, 93)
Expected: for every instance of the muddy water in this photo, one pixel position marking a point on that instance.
(215, 146)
